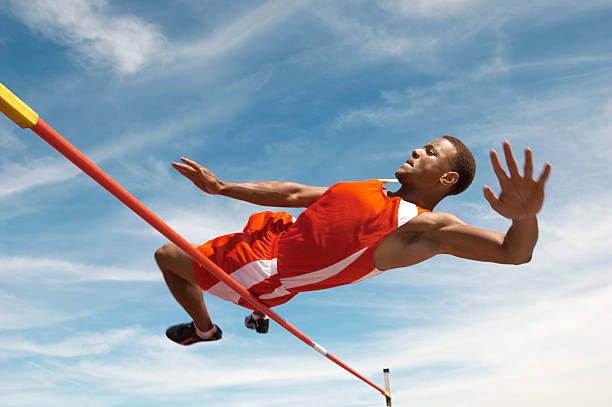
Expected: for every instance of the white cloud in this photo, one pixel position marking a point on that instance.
(131, 360)
(124, 42)
(100, 36)
(532, 350)
(480, 13)
(86, 343)
(567, 240)
(374, 42)
(20, 313)
(237, 32)
(17, 178)
(422, 33)
(499, 66)
(512, 114)
(8, 140)
(214, 216)
(432, 9)
(47, 271)
(399, 106)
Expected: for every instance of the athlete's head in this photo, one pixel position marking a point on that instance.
(445, 165)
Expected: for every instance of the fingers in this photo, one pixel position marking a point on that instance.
(179, 166)
(528, 163)
(497, 167)
(182, 167)
(545, 174)
(194, 171)
(490, 196)
(186, 172)
(190, 162)
(510, 160)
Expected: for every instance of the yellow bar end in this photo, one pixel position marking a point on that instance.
(387, 394)
(16, 110)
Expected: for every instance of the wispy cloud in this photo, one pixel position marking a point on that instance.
(94, 31)
(462, 358)
(429, 9)
(511, 114)
(101, 36)
(17, 177)
(374, 42)
(198, 223)
(8, 139)
(481, 14)
(87, 343)
(500, 348)
(237, 32)
(27, 312)
(133, 360)
(48, 271)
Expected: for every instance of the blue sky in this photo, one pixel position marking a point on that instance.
(315, 92)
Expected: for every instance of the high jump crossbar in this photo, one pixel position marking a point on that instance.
(25, 117)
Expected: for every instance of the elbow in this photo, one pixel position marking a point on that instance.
(516, 255)
(520, 259)
(293, 200)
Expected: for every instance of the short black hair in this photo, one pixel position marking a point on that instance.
(464, 164)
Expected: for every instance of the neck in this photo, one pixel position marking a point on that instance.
(425, 198)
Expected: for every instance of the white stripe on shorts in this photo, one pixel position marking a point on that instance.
(247, 276)
(278, 292)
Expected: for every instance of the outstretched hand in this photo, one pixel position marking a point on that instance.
(521, 196)
(201, 176)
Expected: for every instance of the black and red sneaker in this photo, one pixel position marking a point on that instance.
(259, 325)
(185, 334)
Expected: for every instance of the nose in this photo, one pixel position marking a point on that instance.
(415, 153)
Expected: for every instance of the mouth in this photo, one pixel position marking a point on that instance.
(410, 162)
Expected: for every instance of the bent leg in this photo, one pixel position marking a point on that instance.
(176, 266)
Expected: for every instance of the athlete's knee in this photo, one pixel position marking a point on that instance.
(164, 254)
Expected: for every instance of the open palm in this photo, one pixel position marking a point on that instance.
(521, 196)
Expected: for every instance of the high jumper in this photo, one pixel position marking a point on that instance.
(349, 232)
(396, 229)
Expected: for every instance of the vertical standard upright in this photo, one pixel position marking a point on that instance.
(387, 387)
(25, 117)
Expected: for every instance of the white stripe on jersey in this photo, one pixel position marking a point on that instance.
(323, 274)
(372, 273)
(406, 212)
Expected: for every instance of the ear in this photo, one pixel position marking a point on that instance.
(449, 178)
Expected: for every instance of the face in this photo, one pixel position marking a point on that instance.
(427, 165)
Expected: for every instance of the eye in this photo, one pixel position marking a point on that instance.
(430, 150)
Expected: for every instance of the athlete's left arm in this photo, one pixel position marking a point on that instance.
(435, 233)
(520, 200)
(462, 240)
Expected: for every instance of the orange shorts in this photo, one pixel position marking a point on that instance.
(249, 258)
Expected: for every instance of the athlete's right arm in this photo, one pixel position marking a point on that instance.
(266, 193)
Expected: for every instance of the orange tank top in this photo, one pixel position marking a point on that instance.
(333, 241)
